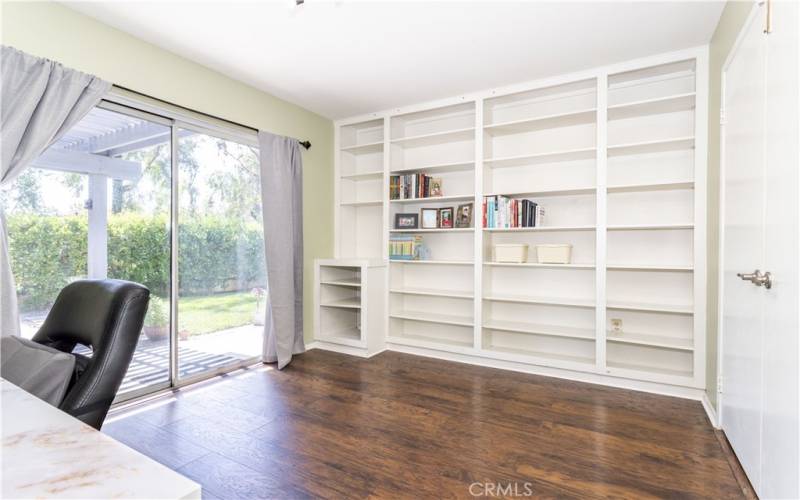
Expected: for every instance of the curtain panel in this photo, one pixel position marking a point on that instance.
(40, 100)
(282, 204)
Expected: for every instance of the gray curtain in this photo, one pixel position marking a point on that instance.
(41, 101)
(282, 202)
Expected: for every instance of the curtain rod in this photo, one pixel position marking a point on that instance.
(305, 144)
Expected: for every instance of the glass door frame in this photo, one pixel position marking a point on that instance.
(175, 378)
(176, 118)
(97, 264)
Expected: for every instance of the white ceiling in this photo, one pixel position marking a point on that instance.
(346, 58)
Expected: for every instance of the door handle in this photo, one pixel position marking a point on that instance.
(757, 278)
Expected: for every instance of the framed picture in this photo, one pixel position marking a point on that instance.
(446, 218)
(464, 215)
(436, 186)
(406, 221)
(430, 218)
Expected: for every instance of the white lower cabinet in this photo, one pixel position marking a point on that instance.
(350, 305)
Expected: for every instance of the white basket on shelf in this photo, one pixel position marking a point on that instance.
(554, 254)
(516, 253)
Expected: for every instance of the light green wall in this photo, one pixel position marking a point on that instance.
(50, 30)
(731, 22)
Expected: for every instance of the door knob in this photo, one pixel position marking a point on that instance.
(757, 278)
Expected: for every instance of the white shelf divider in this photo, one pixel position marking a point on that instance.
(656, 146)
(566, 191)
(439, 168)
(539, 265)
(659, 186)
(437, 230)
(538, 329)
(569, 119)
(435, 138)
(670, 104)
(431, 317)
(538, 229)
(434, 199)
(651, 340)
(539, 158)
(372, 147)
(377, 174)
(433, 292)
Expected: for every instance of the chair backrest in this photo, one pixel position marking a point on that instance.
(106, 315)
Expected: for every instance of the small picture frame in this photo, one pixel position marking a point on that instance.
(464, 215)
(446, 218)
(430, 218)
(436, 186)
(406, 221)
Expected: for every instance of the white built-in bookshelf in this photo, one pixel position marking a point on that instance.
(616, 156)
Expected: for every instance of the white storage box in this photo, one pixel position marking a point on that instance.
(511, 252)
(554, 254)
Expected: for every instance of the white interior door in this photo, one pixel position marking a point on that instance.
(761, 221)
(743, 247)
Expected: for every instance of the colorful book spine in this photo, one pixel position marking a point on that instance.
(501, 212)
(404, 247)
(410, 186)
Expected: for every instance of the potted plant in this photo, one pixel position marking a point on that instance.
(156, 321)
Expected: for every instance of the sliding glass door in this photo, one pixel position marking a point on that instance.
(221, 273)
(104, 201)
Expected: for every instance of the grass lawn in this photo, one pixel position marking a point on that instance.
(211, 313)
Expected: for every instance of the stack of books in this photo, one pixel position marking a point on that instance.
(405, 247)
(404, 187)
(505, 212)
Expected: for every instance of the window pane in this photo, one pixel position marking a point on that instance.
(47, 236)
(222, 279)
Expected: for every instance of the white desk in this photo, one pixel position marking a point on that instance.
(49, 454)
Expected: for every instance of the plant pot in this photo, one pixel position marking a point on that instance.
(156, 332)
(184, 334)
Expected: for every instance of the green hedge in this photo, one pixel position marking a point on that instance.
(47, 252)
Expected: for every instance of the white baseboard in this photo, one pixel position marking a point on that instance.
(710, 411)
(589, 378)
(343, 349)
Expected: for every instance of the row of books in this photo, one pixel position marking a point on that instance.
(505, 212)
(404, 187)
(405, 247)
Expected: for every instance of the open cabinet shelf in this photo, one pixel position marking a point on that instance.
(348, 303)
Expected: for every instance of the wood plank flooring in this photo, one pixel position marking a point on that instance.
(400, 426)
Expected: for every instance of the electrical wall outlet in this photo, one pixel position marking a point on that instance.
(616, 325)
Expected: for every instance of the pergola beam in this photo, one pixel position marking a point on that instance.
(87, 163)
(125, 139)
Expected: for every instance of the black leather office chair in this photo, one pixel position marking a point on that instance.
(106, 315)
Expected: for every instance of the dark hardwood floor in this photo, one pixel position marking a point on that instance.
(401, 426)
